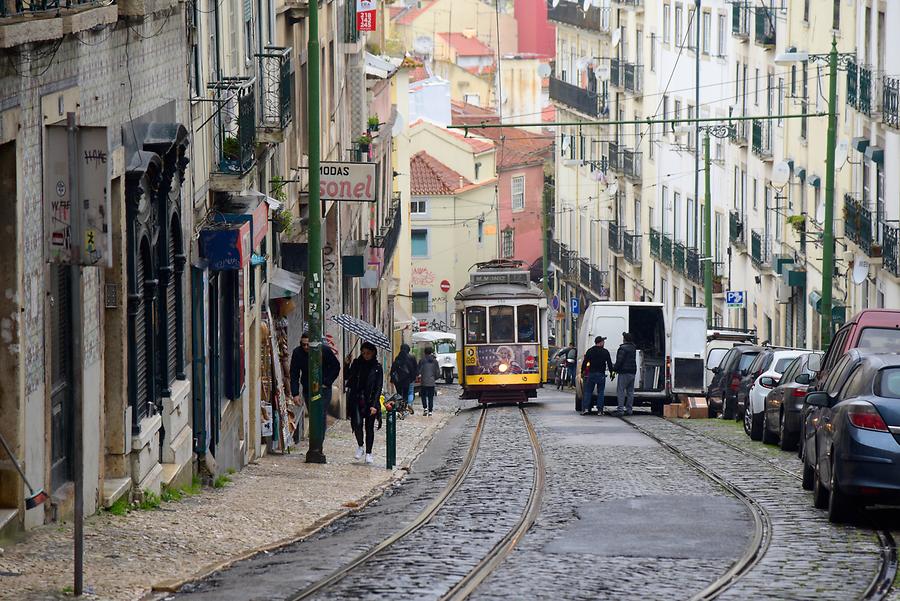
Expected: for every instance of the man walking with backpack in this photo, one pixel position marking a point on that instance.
(626, 368)
(403, 374)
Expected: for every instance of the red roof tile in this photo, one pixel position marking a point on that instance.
(466, 46)
(463, 113)
(430, 177)
(407, 17)
(548, 114)
(517, 147)
(418, 74)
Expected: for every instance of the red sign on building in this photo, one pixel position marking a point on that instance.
(365, 15)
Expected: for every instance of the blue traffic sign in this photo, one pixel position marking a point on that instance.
(576, 307)
(554, 302)
(736, 299)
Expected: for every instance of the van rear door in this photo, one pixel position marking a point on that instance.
(688, 348)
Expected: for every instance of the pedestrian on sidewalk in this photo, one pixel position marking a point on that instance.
(626, 368)
(429, 371)
(331, 368)
(593, 374)
(403, 374)
(363, 393)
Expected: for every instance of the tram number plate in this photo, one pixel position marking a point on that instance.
(471, 357)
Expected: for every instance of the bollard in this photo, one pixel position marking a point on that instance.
(391, 434)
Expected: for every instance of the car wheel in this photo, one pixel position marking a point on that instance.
(727, 409)
(786, 440)
(753, 424)
(840, 505)
(809, 476)
(768, 437)
(820, 493)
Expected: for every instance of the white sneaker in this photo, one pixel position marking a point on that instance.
(369, 458)
(359, 452)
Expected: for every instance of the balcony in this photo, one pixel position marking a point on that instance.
(891, 250)
(234, 138)
(390, 232)
(738, 133)
(600, 283)
(554, 252)
(765, 26)
(633, 78)
(594, 19)
(654, 243)
(736, 229)
(44, 20)
(740, 20)
(584, 101)
(760, 251)
(632, 246)
(614, 156)
(679, 253)
(584, 271)
(890, 101)
(615, 72)
(615, 237)
(692, 266)
(762, 138)
(665, 250)
(276, 93)
(852, 84)
(864, 104)
(631, 165)
(638, 4)
(858, 224)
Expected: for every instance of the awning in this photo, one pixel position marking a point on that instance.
(801, 174)
(815, 181)
(283, 283)
(815, 298)
(379, 67)
(861, 144)
(875, 154)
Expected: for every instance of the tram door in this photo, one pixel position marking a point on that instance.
(62, 402)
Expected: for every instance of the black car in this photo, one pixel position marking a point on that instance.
(722, 390)
(784, 404)
(760, 365)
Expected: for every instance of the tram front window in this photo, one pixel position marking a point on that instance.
(527, 323)
(476, 330)
(502, 325)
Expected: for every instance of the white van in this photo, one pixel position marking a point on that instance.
(658, 376)
(444, 345)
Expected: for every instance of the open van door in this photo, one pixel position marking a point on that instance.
(688, 345)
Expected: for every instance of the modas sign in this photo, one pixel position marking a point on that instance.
(349, 182)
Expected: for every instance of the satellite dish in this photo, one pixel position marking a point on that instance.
(555, 3)
(781, 173)
(398, 126)
(586, 5)
(611, 188)
(543, 70)
(820, 212)
(860, 269)
(601, 72)
(840, 152)
(616, 36)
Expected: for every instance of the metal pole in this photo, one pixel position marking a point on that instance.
(828, 227)
(77, 361)
(315, 454)
(545, 222)
(698, 21)
(707, 253)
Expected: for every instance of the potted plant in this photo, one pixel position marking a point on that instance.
(283, 221)
(798, 222)
(278, 185)
(231, 148)
(364, 142)
(374, 124)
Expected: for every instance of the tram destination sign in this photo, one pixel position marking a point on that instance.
(348, 182)
(499, 277)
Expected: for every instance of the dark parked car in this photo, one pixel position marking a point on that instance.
(852, 451)
(784, 404)
(721, 392)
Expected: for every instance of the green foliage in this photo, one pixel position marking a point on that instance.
(231, 470)
(120, 507)
(231, 148)
(364, 140)
(171, 495)
(220, 481)
(373, 123)
(278, 192)
(797, 221)
(150, 501)
(284, 221)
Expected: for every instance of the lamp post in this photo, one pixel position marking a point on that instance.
(835, 60)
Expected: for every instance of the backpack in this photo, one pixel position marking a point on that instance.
(400, 370)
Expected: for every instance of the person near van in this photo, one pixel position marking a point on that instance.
(593, 374)
(364, 398)
(571, 360)
(429, 371)
(299, 369)
(626, 368)
(403, 374)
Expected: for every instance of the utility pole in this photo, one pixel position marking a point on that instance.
(697, 25)
(708, 256)
(828, 226)
(545, 219)
(315, 454)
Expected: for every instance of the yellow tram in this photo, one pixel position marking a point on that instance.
(503, 326)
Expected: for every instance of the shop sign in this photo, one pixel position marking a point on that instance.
(365, 15)
(226, 246)
(351, 182)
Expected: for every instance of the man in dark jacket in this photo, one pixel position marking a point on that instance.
(626, 368)
(331, 368)
(403, 373)
(364, 398)
(593, 374)
(429, 370)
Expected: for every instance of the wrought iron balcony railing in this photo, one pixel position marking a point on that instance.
(852, 83)
(891, 250)
(665, 250)
(554, 252)
(632, 246)
(654, 243)
(584, 101)
(736, 229)
(760, 249)
(615, 237)
(234, 139)
(615, 72)
(765, 26)
(390, 232)
(276, 87)
(632, 164)
(679, 252)
(34, 8)
(633, 78)
(593, 19)
(738, 133)
(614, 156)
(762, 138)
(858, 223)
(692, 266)
(890, 101)
(865, 91)
(600, 283)
(584, 270)
(740, 20)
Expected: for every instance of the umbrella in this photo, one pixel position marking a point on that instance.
(364, 330)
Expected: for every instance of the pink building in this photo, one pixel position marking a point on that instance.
(536, 34)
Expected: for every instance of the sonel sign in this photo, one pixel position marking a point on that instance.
(347, 182)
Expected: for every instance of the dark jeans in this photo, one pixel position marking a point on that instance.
(427, 394)
(593, 379)
(625, 393)
(357, 422)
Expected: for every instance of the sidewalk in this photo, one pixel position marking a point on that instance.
(278, 499)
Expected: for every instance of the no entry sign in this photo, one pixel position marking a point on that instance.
(445, 285)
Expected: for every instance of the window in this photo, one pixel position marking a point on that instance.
(667, 24)
(878, 340)
(780, 100)
(879, 204)
(420, 302)
(508, 243)
(722, 29)
(664, 194)
(678, 40)
(707, 25)
(477, 170)
(518, 193)
(836, 20)
(476, 325)
(652, 52)
(888, 384)
(756, 87)
(690, 136)
(501, 328)
(473, 99)
(419, 243)
(418, 205)
(737, 82)
(691, 229)
(527, 323)
(665, 113)
(676, 230)
(480, 230)
(806, 10)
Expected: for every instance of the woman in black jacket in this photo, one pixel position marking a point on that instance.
(364, 384)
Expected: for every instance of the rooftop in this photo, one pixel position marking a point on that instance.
(430, 177)
(465, 45)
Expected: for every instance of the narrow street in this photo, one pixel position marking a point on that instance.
(621, 517)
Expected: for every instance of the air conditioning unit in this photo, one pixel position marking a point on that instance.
(783, 292)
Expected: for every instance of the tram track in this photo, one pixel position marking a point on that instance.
(489, 562)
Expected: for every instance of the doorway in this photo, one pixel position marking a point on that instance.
(62, 402)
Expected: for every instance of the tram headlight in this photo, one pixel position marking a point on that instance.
(503, 368)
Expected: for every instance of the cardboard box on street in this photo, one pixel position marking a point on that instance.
(673, 410)
(696, 413)
(697, 402)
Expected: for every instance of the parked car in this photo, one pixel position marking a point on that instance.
(721, 340)
(721, 392)
(771, 363)
(853, 453)
(872, 330)
(784, 404)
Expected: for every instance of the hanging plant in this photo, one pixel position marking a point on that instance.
(283, 221)
(798, 222)
(374, 123)
(364, 142)
(278, 192)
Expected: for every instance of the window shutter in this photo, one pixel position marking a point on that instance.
(140, 342)
(172, 316)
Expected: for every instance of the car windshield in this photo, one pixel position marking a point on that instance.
(888, 384)
(879, 340)
(782, 364)
(444, 347)
(746, 360)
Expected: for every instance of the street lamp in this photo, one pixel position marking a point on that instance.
(834, 60)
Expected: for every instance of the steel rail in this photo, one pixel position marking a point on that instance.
(420, 520)
(762, 530)
(881, 585)
(502, 549)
